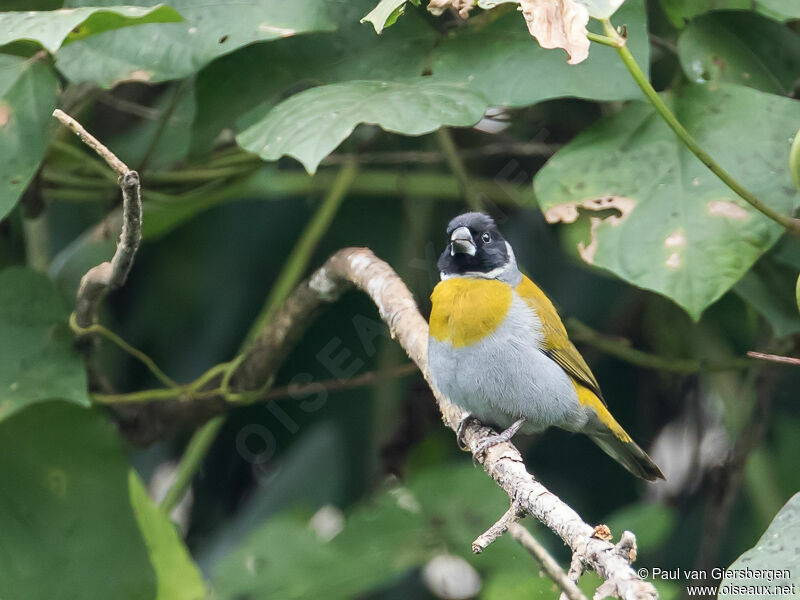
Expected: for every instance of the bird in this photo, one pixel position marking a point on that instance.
(498, 349)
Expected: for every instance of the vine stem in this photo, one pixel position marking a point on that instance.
(291, 274)
(191, 460)
(618, 42)
(297, 263)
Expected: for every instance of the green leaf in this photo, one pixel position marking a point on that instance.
(37, 358)
(741, 48)
(680, 12)
(68, 527)
(309, 125)
(177, 577)
(173, 51)
(662, 220)
(496, 56)
(514, 584)
(385, 14)
(772, 561)
(768, 287)
(236, 91)
(54, 28)
(28, 95)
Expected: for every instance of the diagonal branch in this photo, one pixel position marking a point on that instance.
(107, 276)
(360, 268)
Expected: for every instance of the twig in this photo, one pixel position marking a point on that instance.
(776, 358)
(509, 518)
(107, 276)
(619, 43)
(570, 590)
(87, 138)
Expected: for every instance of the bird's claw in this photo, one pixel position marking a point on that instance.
(462, 444)
(498, 438)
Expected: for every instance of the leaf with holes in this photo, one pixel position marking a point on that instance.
(659, 218)
(28, 95)
(52, 28)
(311, 124)
(161, 52)
(37, 358)
(741, 48)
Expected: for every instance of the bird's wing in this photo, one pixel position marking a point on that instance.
(556, 342)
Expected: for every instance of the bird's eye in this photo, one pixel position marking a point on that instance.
(486, 238)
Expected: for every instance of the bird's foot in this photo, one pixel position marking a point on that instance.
(499, 438)
(462, 444)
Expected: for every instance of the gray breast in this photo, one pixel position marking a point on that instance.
(505, 376)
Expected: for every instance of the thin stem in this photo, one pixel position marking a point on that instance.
(621, 349)
(790, 223)
(191, 460)
(125, 346)
(192, 392)
(295, 267)
(775, 358)
(458, 168)
(548, 563)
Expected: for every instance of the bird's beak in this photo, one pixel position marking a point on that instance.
(461, 242)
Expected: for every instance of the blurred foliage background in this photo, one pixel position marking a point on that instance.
(359, 492)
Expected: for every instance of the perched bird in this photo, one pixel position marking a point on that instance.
(499, 350)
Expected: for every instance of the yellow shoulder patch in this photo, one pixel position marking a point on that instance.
(465, 310)
(587, 397)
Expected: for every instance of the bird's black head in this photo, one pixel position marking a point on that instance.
(474, 246)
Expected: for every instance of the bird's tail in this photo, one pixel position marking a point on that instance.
(628, 454)
(609, 435)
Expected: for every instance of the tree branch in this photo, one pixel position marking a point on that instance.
(101, 279)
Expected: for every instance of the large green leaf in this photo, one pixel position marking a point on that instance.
(742, 48)
(172, 51)
(680, 12)
(497, 57)
(177, 577)
(771, 563)
(670, 225)
(69, 530)
(28, 94)
(37, 359)
(53, 28)
(234, 85)
(311, 124)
